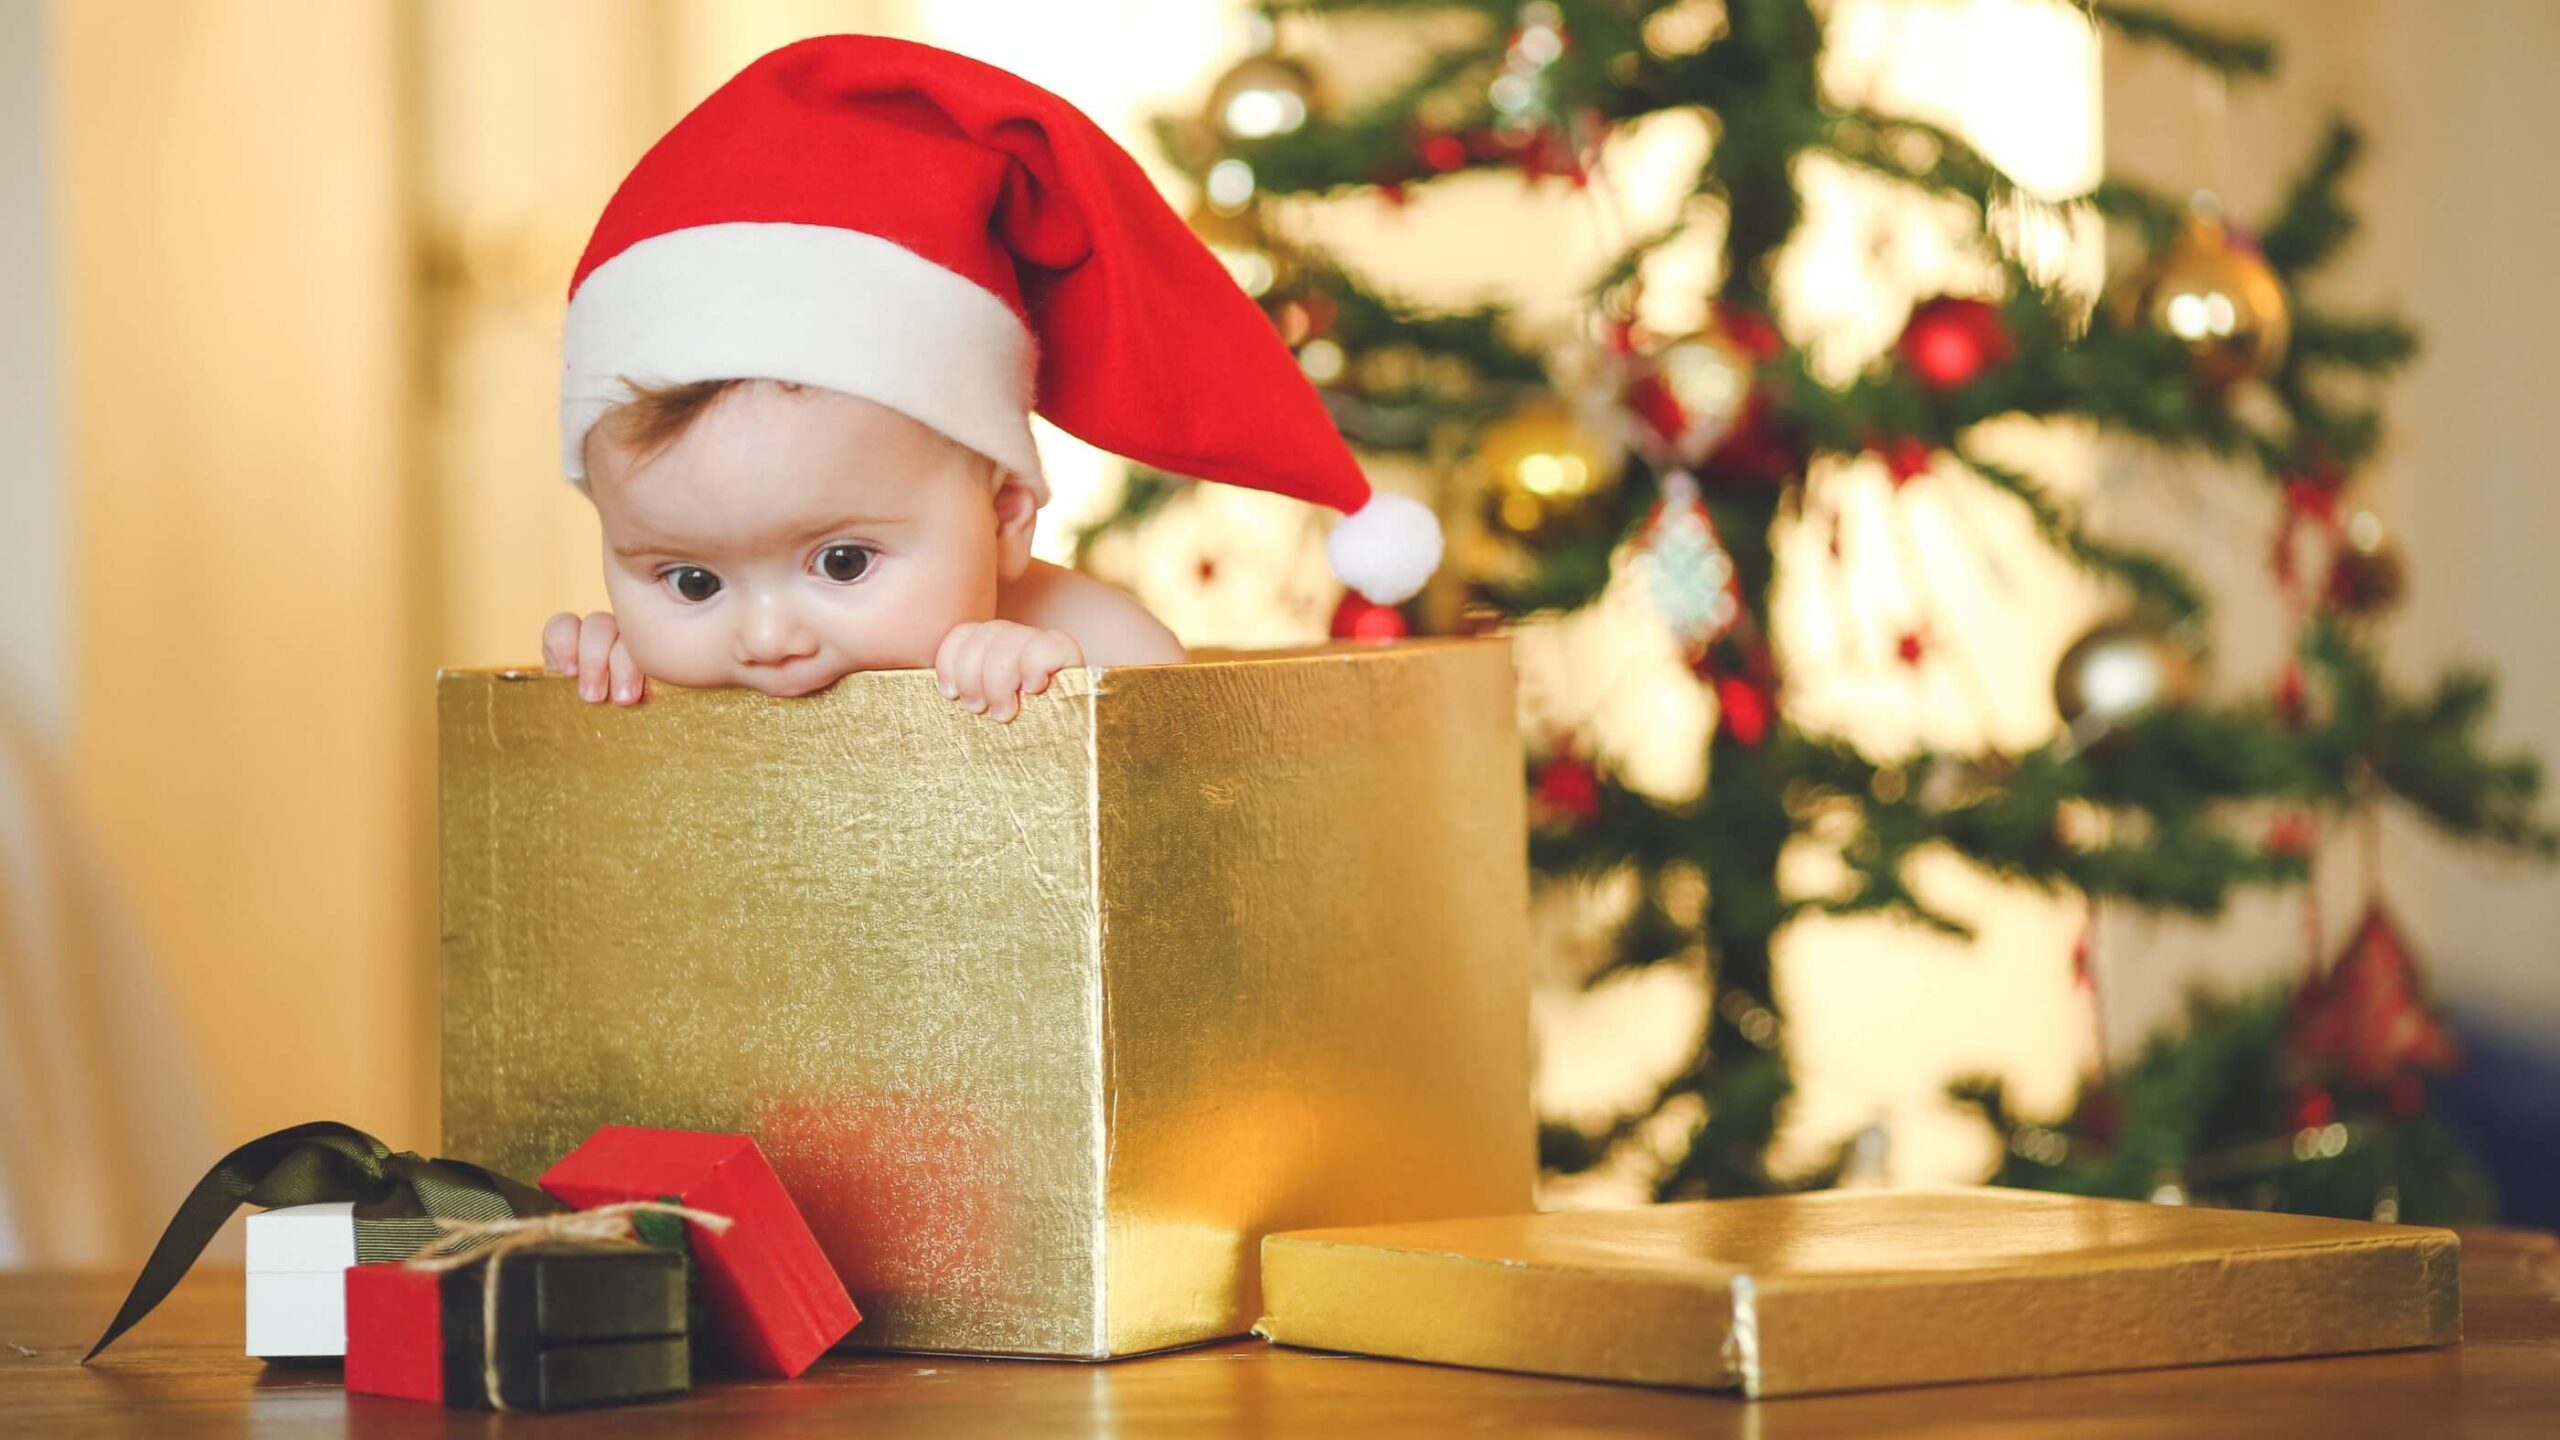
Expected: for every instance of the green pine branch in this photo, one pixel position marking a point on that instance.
(2216, 48)
(2313, 223)
(2147, 576)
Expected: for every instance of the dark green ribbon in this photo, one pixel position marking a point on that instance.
(398, 1196)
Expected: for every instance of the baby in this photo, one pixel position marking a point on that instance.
(779, 536)
(801, 357)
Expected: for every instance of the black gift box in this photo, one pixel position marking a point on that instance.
(576, 1325)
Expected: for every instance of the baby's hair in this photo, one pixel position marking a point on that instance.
(656, 416)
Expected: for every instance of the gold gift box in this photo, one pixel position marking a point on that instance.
(1043, 1024)
(1862, 1289)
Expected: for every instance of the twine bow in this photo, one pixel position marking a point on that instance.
(494, 1240)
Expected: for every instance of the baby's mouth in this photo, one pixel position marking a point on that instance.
(793, 681)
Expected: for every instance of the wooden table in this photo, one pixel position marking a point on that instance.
(181, 1374)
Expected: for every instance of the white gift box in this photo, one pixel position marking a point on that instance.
(297, 1259)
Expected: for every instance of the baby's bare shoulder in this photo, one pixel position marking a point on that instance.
(1108, 624)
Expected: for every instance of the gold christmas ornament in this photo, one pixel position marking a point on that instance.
(1449, 376)
(1545, 469)
(2120, 669)
(1262, 96)
(2218, 297)
(1260, 263)
(1391, 369)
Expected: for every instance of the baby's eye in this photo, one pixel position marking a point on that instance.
(844, 564)
(691, 582)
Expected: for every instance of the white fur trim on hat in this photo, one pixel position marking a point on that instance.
(811, 304)
(1386, 549)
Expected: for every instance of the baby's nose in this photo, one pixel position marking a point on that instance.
(772, 633)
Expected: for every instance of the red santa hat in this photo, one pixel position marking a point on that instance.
(917, 228)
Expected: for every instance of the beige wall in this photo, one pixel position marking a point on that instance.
(2459, 201)
(250, 676)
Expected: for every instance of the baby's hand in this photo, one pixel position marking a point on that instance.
(592, 650)
(990, 665)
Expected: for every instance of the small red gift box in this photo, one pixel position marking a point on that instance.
(576, 1324)
(773, 1303)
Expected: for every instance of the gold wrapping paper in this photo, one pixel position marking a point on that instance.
(1861, 1289)
(1043, 1024)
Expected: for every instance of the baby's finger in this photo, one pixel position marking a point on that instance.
(946, 670)
(968, 666)
(1049, 652)
(596, 635)
(625, 672)
(1002, 668)
(560, 643)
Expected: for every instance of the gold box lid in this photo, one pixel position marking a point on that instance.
(1861, 1289)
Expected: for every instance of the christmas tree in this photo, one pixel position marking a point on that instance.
(1617, 457)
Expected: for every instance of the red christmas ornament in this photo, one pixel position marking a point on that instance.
(1554, 150)
(2293, 699)
(2321, 470)
(1906, 457)
(1689, 391)
(1744, 675)
(2312, 1108)
(1911, 647)
(2099, 1117)
(1950, 341)
(1485, 143)
(2405, 1096)
(1567, 790)
(1301, 318)
(1754, 332)
(1744, 708)
(2313, 501)
(1761, 449)
(2310, 502)
(1657, 407)
(1441, 152)
(2366, 1016)
(1356, 618)
(2292, 834)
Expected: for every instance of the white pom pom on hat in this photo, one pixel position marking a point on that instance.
(1385, 549)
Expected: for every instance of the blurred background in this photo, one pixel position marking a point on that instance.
(280, 288)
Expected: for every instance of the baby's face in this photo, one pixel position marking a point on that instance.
(790, 537)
